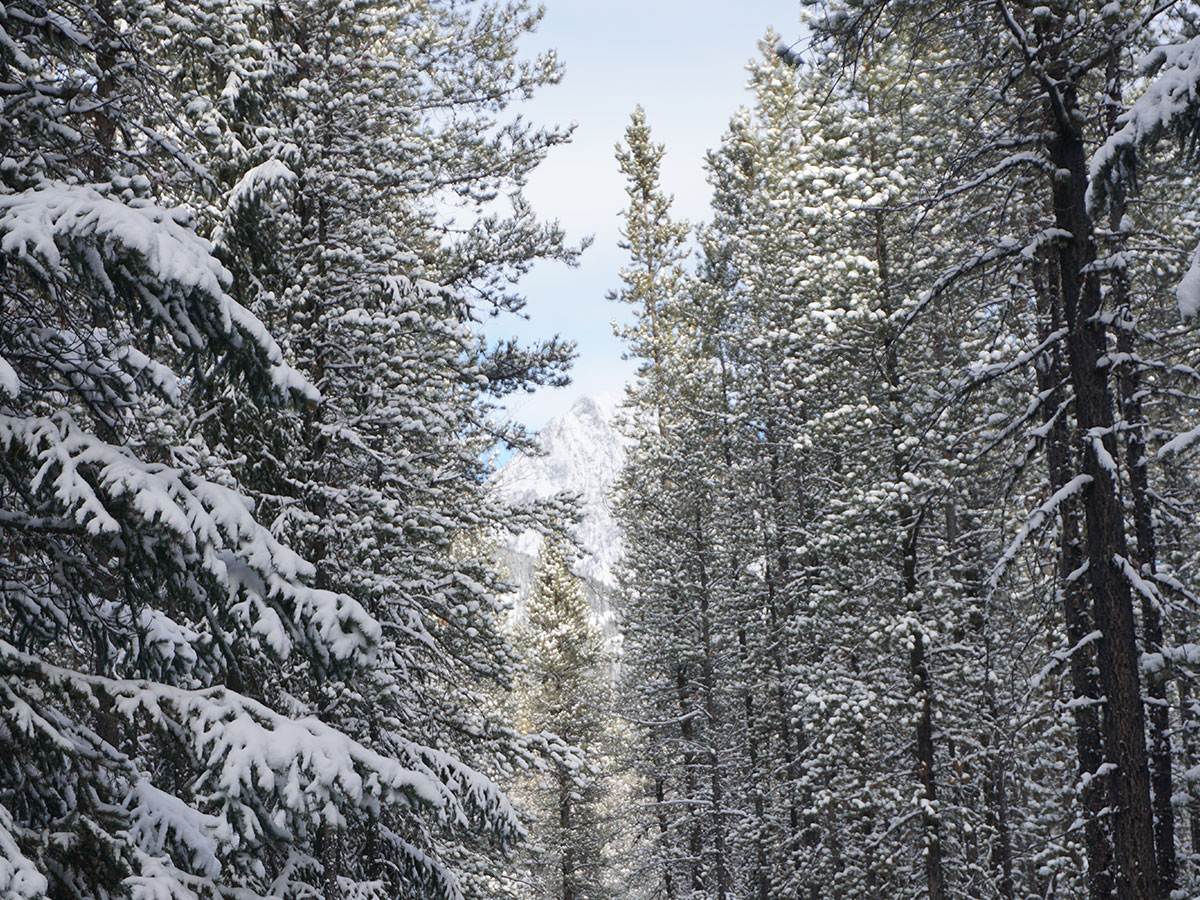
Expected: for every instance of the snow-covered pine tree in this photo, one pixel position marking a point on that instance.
(826, 402)
(865, 450)
(1048, 237)
(566, 692)
(141, 593)
(657, 246)
(352, 143)
(321, 145)
(809, 372)
(672, 624)
(755, 253)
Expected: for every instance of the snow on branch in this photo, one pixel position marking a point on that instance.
(1095, 438)
(1187, 292)
(1179, 443)
(1146, 589)
(1058, 657)
(53, 20)
(1005, 248)
(249, 752)
(186, 287)
(157, 878)
(1035, 521)
(19, 875)
(257, 181)
(1033, 159)
(89, 480)
(979, 373)
(159, 819)
(462, 788)
(10, 384)
(420, 867)
(1170, 103)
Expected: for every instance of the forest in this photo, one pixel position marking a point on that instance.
(909, 598)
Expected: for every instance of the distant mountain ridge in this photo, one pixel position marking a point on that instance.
(582, 453)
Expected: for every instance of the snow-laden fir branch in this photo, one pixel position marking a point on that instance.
(1035, 521)
(185, 287)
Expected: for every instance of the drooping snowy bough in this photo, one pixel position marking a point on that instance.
(189, 707)
(1168, 107)
(126, 555)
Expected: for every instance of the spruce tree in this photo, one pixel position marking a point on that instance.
(194, 706)
(567, 694)
(142, 593)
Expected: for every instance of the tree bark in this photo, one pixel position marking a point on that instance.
(935, 874)
(1124, 728)
(922, 682)
(568, 851)
(708, 678)
(330, 853)
(760, 878)
(1190, 726)
(660, 798)
(1052, 376)
(1145, 560)
(687, 731)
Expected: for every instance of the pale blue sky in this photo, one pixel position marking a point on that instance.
(685, 63)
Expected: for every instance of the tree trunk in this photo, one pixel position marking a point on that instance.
(708, 678)
(687, 731)
(568, 852)
(1146, 564)
(760, 879)
(106, 62)
(935, 875)
(922, 683)
(330, 853)
(1145, 561)
(1085, 691)
(1124, 724)
(1190, 726)
(660, 798)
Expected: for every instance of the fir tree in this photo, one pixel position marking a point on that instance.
(208, 712)
(568, 695)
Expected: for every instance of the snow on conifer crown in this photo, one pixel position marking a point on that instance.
(41, 224)
(245, 640)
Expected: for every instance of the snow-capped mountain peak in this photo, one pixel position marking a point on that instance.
(581, 453)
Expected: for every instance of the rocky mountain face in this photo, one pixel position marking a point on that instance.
(581, 453)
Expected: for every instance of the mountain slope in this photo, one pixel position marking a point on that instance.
(582, 453)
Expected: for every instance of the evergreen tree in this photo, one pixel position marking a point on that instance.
(861, 505)
(567, 695)
(140, 589)
(359, 131)
(193, 707)
(667, 497)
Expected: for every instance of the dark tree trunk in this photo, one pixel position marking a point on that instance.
(568, 852)
(660, 798)
(1145, 560)
(708, 680)
(691, 781)
(996, 797)
(106, 45)
(1190, 723)
(1124, 727)
(330, 853)
(1146, 564)
(760, 879)
(935, 875)
(1052, 377)
(922, 682)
